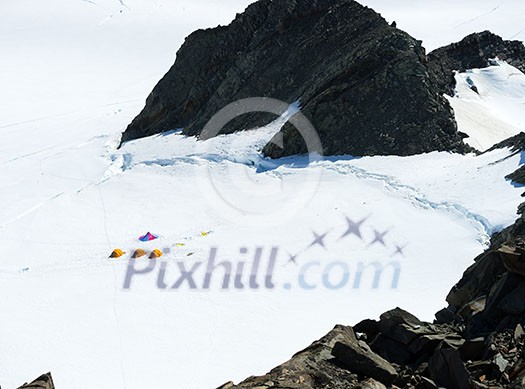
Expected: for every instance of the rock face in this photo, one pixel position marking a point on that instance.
(324, 365)
(516, 144)
(474, 51)
(364, 84)
(490, 297)
(310, 368)
(45, 381)
(517, 178)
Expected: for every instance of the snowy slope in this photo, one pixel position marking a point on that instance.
(73, 75)
(435, 214)
(490, 104)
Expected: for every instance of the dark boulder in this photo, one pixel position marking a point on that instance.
(405, 340)
(501, 303)
(447, 316)
(473, 349)
(364, 84)
(448, 370)
(357, 357)
(367, 328)
(311, 368)
(476, 282)
(475, 51)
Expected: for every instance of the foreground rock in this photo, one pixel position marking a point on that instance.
(310, 367)
(324, 365)
(365, 85)
(478, 341)
(399, 351)
(45, 381)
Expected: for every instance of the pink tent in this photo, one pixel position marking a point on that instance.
(149, 236)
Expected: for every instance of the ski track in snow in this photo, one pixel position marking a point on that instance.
(479, 16)
(517, 34)
(31, 210)
(26, 155)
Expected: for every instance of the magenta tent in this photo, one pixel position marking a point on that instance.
(149, 236)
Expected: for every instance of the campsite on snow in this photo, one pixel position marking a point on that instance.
(194, 191)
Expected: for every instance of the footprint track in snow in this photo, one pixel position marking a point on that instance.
(419, 199)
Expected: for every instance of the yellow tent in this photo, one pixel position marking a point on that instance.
(117, 253)
(155, 254)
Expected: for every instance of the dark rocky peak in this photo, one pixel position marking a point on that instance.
(474, 51)
(363, 83)
(45, 381)
(216, 66)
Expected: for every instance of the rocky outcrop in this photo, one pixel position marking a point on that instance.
(491, 294)
(517, 145)
(473, 52)
(518, 176)
(312, 367)
(324, 364)
(364, 84)
(478, 341)
(433, 355)
(45, 381)
(399, 351)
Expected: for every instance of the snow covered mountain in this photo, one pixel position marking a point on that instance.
(75, 73)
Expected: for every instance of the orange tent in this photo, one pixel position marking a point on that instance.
(155, 254)
(117, 253)
(138, 253)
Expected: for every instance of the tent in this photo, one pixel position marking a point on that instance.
(147, 237)
(117, 253)
(155, 254)
(138, 253)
